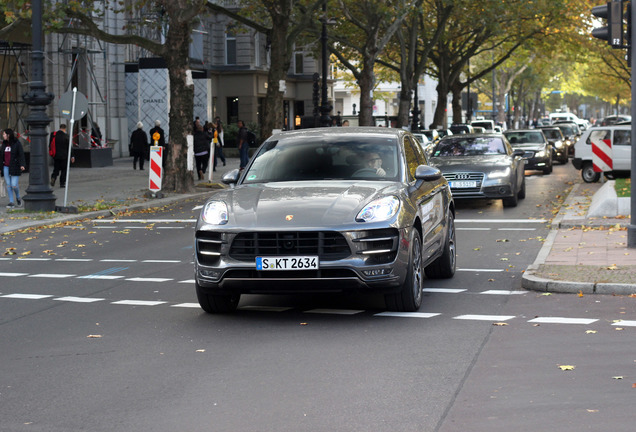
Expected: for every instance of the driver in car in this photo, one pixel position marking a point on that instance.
(374, 162)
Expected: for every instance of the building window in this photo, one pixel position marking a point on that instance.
(299, 58)
(230, 45)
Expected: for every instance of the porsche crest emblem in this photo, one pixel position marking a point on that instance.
(289, 217)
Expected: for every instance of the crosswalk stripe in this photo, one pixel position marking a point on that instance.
(51, 275)
(444, 290)
(503, 292)
(561, 320)
(140, 279)
(484, 317)
(27, 296)
(138, 302)
(625, 323)
(334, 311)
(408, 314)
(13, 274)
(79, 299)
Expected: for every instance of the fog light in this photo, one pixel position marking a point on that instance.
(376, 272)
(212, 274)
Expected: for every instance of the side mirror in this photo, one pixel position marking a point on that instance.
(231, 177)
(518, 152)
(427, 173)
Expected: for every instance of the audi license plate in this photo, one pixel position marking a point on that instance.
(463, 184)
(287, 263)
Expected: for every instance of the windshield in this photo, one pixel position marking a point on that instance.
(472, 146)
(524, 137)
(325, 158)
(552, 133)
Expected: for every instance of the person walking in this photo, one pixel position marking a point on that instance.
(217, 140)
(13, 165)
(139, 146)
(60, 159)
(243, 145)
(202, 140)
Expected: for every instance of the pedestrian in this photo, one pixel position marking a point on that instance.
(13, 165)
(139, 146)
(243, 145)
(217, 140)
(345, 123)
(60, 159)
(202, 140)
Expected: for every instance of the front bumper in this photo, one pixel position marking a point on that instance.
(366, 260)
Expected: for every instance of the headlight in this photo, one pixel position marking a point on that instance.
(214, 213)
(540, 154)
(379, 210)
(499, 174)
(558, 144)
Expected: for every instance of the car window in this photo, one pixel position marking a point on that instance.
(419, 152)
(622, 138)
(598, 135)
(474, 146)
(552, 133)
(524, 137)
(412, 161)
(325, 158)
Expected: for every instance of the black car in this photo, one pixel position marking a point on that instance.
(556, 139)
(327, 210)
(537, 151)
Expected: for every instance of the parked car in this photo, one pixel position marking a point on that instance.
(488, 125)
(620, 140)
(327, 210)
(481, 166)
(614, 119)
(537, 151)
(558, 142)
(461, 128)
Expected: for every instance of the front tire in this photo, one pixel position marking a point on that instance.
(444, 266)
(588, 174)
(409, 298)
(217, 303)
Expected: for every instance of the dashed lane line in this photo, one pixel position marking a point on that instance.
(561, 320)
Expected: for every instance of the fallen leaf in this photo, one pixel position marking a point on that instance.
(26, 253)
(566, 367)
(580, 293)
(612, 267)
(546, 294)
(590, 331)
(502, 240)
(592, 411)
(618, 377)
(94, 336)
(200, 350)
(500, 324)
(303, 323)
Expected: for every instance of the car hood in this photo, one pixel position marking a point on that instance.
(472, 163)
(529, 146)
(300, 205)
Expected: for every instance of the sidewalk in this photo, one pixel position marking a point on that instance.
(95, 191)
(584, 254)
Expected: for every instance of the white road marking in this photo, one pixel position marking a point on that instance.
(103, 277)
(79, 299)
(335, 311)
(27, 296)
(561, 320)
(34, 259)
(13, 274)
(189, 281)
(161, 261)
(497, 221)
(187, 305)
(408, 314)
(516, 229)
(74, 259)
(264, 308)
(473, 229)
(149, 221)
(170, 227)
(139, 279)
(138, 302)
(485, 317)
(625, 323)
(503, 292)
(480, 270)
(443, 290)
(118, 260)
(52, 275)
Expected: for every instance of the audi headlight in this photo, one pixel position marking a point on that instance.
(379, 210)
(540, 154)
(558, 144)
(499, 174)
(215, 213)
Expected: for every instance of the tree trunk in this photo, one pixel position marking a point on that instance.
(440, 119)
(280, 61)
(177, 178)
(458, 115)
(367, 83)
(404, 104)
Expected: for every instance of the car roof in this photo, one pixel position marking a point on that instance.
(520, 130)
(339, 131)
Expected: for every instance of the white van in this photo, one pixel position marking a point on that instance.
(563, 116)
(488, 125)
(621, 143)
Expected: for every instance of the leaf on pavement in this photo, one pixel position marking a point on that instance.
(500, 324)
(580, 294)
(200, 350)
(94, 336)
(546, 294)
(618, 377)
(502, 240)
(26, 253)
(567, 367)
(612, 267)
(590, 331)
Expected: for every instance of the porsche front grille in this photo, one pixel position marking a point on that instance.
(327, 245)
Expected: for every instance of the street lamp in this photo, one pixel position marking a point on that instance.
(39, 195)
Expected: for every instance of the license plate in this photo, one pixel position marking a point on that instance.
(463, 184)
(287, 263)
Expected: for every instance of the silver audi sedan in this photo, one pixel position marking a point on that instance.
(327, 210)
(482, 166)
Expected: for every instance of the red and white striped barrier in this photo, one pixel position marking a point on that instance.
(602, 154)
(155, 173)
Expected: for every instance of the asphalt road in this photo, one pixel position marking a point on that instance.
(100, 331)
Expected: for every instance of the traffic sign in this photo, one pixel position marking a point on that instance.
(66, 105)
